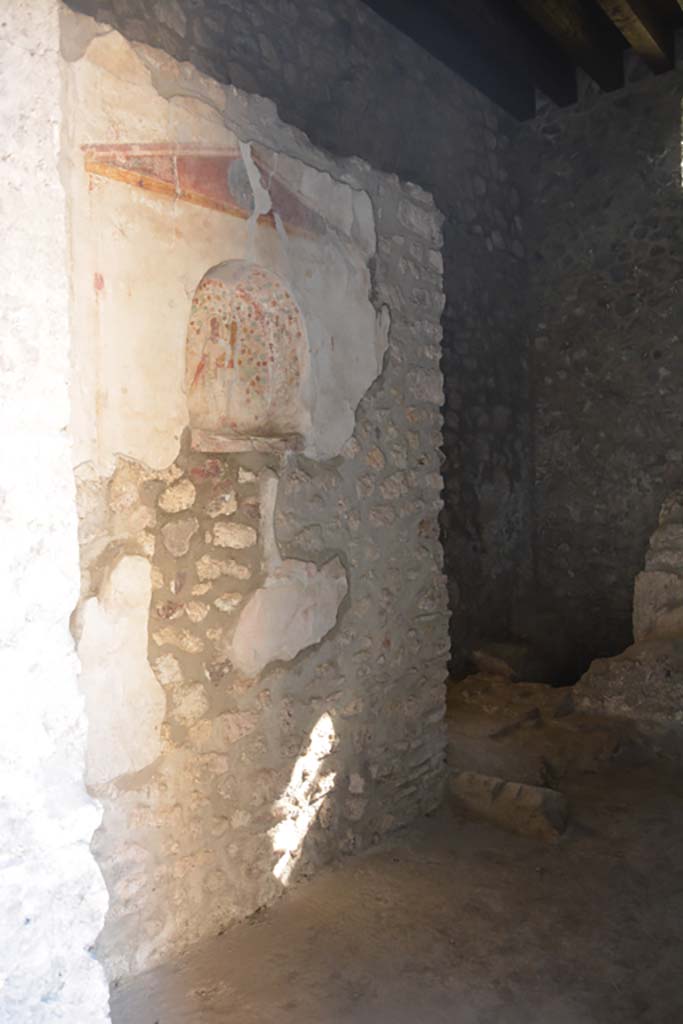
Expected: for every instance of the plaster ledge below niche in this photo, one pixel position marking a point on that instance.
(206, 441)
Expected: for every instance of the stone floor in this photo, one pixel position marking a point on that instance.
(455, 921)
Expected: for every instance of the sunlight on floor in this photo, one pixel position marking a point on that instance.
(303, 798)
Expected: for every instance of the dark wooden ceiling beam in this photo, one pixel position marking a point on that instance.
(643, 30)
(512, 39)
(432, 26)
(581, 31)
(670, 11)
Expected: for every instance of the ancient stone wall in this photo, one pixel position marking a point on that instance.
(604, 227)
(263, 626)
(358, 87)
(52, 895)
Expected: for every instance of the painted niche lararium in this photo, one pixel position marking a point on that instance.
(246, 361)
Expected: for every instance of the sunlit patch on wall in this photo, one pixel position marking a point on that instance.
(302, 800)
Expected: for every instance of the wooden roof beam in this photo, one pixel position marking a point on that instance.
(582, 32)
(642, 29)
(510, 38)
(668, 11)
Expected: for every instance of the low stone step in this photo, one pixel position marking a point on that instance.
(534, 811)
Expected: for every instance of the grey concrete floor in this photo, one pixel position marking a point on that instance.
(454, 921)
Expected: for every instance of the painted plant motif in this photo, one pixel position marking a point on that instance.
(246, 354)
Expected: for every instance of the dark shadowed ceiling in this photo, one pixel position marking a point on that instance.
(509, 48)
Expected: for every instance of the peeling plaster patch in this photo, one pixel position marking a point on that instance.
(271, 554)
(262, 201)
(76, 32)
(211, 796)
(125, 703)
(295, 608)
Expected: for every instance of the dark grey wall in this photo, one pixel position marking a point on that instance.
(605, 236)
(358, 87)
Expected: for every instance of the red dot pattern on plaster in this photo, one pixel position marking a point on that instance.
(247, 354)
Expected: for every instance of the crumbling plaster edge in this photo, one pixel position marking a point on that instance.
(241, 111)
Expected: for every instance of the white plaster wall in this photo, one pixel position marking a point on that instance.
(124, 702)
(137, 259)
(52, 896)
(262, 767)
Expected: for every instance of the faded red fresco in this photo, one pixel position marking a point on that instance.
(211, 178)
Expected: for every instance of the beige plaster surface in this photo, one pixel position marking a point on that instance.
(138, 256)
(124, 702)
(52, 895)
(263, 619)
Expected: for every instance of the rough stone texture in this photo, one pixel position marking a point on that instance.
(260, 778)
(354, 84)
(603, 230)
(458, 921)
(531, 733)
(643, 685)
(534, 811)
(52, 896)
(658, 593)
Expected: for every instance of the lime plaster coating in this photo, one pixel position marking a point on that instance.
(261, 572)
(52, 895)
(124, 702)
(149, 221)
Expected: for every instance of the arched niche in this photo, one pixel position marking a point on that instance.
(247, 361)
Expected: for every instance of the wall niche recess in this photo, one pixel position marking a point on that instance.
(247, 362)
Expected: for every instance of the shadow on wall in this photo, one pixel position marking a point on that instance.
(604, 229)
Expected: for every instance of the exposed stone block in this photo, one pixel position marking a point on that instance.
(209, 568)
(233, 535)
(178, 534)
(530, 810)
(124, 701)
(658, 604)
(178, 497)
(643, 685)
(296, 607)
